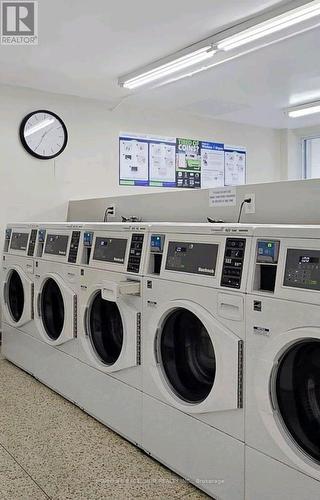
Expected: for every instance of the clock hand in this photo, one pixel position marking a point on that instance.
(43, 136)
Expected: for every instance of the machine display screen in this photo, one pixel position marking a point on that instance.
(56, 244)
(19, 241)
(196, 258)
(156, 243)
(302, 269)
(306, 259)
(268, 251)
(110, 250)
(42, 235)
(88, 239)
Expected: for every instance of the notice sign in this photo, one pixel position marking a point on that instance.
(223, 197)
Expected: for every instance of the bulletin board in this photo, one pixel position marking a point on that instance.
(146, 160)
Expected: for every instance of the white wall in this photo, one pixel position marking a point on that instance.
(31, 189)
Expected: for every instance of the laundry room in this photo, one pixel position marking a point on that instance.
(160, 241)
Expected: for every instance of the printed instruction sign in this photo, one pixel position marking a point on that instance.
(223, 197)
(146, 160)
(235, 166)
(162, 156)
(134, 168)
(212, 164)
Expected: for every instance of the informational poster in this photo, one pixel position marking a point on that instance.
(134, 162)
(212, 164)
(146, 160)
(162, 157)
(188, 163)
(235, 166)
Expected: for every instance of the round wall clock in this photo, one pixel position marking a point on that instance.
(43, 134)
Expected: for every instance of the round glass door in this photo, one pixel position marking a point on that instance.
(105, 329)
(52, 309)
(187, 356)
(298, 394)
(15, 296)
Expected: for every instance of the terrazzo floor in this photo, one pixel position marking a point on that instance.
(50, 449)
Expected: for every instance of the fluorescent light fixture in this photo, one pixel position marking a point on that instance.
(39, 126)
(273, 25)
(169, 68)
(304, 110)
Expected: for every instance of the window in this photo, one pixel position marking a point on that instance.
(311, 156)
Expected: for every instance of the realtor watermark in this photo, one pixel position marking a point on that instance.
(19, 23)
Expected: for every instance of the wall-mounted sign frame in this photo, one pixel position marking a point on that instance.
(146, 160)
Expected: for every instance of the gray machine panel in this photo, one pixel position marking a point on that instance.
(302, 269)
(195, 258)
(19, 241)
(110, 249)
(56, 244)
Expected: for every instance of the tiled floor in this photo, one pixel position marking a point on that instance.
(51, 449)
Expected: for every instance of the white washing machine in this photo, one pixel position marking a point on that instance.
(48, 349)
(283, 365)
(17, 277)
(193, 333)
(57, 272)
(110, 307)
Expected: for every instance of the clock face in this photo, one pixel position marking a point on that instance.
(43, 134)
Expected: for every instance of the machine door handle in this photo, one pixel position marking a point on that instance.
(85, 320)
(39, 305)
(5, 292)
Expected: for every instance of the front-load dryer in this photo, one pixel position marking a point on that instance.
(283, 365)
(110, 307)
(17, 289)
(192, 355)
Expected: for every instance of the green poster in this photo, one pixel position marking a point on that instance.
(188, 163)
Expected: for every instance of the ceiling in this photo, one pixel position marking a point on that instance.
(85, 46)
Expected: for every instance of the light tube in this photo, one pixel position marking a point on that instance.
(278, 23)
(169, 68)
(308, 109)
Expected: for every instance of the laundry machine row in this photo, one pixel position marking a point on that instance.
(198, 342)
(77, 323)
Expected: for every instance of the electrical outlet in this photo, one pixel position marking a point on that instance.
(250, 208)
(112, 211)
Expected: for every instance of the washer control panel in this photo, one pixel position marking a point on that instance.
(302, 269)
(135, 253)
(233, 262)
(74, 247)
(56, 244)
(191, 257)
(19, 241)
(32, 242)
